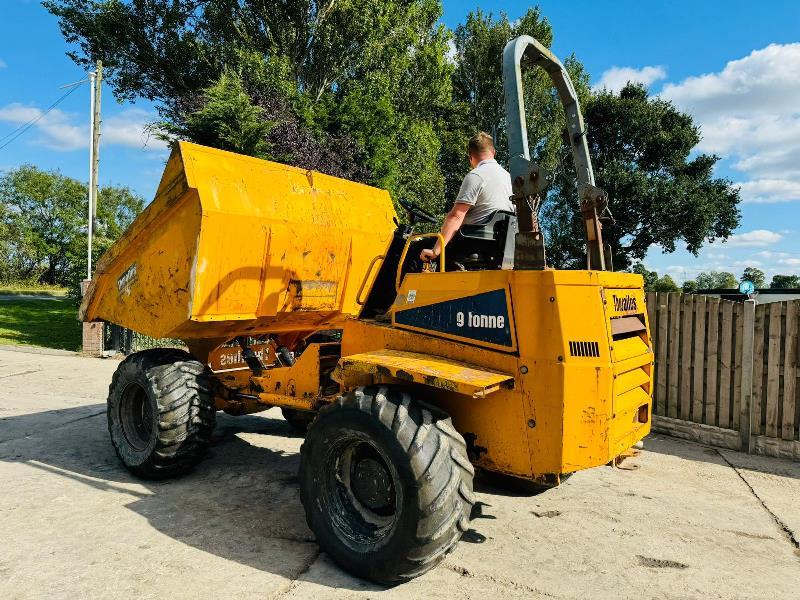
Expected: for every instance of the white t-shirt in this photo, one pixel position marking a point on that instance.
(487, 188)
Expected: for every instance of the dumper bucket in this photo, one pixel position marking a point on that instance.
(233, 245)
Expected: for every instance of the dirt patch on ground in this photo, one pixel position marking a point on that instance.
(661, 563)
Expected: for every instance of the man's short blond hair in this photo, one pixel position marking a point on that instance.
(480, 143)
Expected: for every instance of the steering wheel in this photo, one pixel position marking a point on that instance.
(415, 213)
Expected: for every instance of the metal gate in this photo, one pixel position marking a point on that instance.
(120, 340)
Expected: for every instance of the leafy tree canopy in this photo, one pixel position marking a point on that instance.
(756, 276)
(785, 282)
(659, 195)
(689, 287)
(650, 277)
(666, 284)
(351, 88)
(47, 213)
(716, 280)
(654, 283)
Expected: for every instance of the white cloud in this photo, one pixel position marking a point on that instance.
(767, 191)
(742, 132)
(54, 128)
(743, 264)
(755, 238)
(790, 262)
(615, 78)
(749, 112)
(764, 82)
(3, 64)
(130, 128)
(769, 255)
(58, 130)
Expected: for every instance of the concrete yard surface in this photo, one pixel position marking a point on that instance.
(679, 521)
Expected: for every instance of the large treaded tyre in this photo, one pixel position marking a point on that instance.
(160, 412)
(386, 484)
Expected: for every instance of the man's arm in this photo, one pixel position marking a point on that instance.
(452, 223)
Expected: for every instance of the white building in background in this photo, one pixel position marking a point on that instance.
(764, 296)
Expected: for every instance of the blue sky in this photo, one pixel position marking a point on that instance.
(734, 65)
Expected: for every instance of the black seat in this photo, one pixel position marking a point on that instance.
(482, 245)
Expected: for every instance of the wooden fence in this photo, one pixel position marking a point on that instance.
(726, 373)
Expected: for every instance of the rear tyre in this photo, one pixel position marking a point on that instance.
(160, 412)
(386, 484)
(299, 420)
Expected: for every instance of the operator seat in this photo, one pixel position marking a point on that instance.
(483, 245)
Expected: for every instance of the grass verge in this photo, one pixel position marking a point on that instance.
(47, 323)
(35, 289)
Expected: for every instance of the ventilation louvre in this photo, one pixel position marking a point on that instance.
(584, 349)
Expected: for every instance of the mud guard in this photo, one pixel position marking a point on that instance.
(413, 367)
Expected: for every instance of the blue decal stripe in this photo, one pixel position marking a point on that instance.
(483, 317)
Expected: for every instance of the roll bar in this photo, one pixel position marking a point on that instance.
(528, 179)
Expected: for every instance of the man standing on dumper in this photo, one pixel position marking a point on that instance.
(485, 190)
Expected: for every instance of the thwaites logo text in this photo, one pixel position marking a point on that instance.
(624, 303)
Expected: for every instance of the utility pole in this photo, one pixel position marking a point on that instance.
(93, 333)
(96, 80)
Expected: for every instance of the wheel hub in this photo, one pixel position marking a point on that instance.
(372, 484)
(136, 416)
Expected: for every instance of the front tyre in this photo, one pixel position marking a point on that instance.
(386, 484)
(161, 412)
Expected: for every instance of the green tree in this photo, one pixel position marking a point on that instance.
(716, 280)
(654, 283)
(46, 211)
(353, 88)
(116, 209)
(756, 276)
(227, 119)
(163, 49)
(659, 193)
(16, 258)
(397, 107)
(785, 282)
(690, 287)
(666, 284)
(650, 277)
(478, 84)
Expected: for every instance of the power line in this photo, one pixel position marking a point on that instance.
(26, 126)
(32, 121)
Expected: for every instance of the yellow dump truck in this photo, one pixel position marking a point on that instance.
(302, 291)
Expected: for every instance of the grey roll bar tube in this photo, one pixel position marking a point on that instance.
(523, 52)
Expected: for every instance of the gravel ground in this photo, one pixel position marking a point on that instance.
(680, 521)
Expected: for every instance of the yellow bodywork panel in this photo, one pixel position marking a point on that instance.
(498, 420)
(581, 376)
(233, 245)
(413, 367)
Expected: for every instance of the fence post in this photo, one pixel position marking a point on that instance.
(746, 408)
